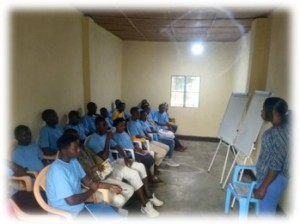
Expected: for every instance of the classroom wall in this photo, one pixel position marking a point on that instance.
(46, 66)
(147, 71)
(279, 74)
(241, 68)
(259, 54)
(106, 53)
(278, 81)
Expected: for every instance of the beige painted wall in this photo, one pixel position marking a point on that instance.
(259, 54)
(46, 69)
(278, 82)
(147, 71)
(106, 51)
(241, 69)
(279, 74)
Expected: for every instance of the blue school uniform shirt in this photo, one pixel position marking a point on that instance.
(28, 156)
(135, 128)
(49, 136)
(151, 114)
(64, 180)
(146, 126)
(89, 122)
(96, 143)
(79, 128)
(161, 119)
(123, 140)
(109, 122)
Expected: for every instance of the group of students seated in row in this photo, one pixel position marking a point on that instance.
(86, 143)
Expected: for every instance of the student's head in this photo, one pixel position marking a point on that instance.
(117, 101)
(144, 102)
(162, 108)
(91, 108)
(121, 107)
(166, 106)
(74, 117)
(147, 108)
(50, 117)
(135, 114)
(71, 131)
(101, 125)
(23, 135)
(143, 115)
(274, 110)
(104, 112)
(68, 145)
(119, 124)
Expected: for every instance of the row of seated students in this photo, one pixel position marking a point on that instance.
(74, 164)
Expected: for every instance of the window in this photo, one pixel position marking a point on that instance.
(185, 91)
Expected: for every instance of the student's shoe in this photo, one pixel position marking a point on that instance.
(171, 162)
(149, 210)
(155, 201)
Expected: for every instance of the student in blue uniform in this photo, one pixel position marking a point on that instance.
(104, 113)
(162, 139)
(26, 154)
(88, 120)
(143, 156)
(74, 123)
(63, 182)
(274, 160)
(125, 168)
(50, 132)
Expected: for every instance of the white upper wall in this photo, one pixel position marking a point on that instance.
(147, 71)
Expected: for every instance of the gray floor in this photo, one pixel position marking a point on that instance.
(190, 189)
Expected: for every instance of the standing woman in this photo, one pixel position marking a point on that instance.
(273, 162)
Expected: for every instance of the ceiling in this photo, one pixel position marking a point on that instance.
(177, 24)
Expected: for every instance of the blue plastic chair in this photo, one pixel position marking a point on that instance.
(242, 191)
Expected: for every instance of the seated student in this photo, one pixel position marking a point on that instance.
(104, 113)
(161, 118)
(136, 131)
(168, 141)
(162, 132)
(74, 123)
(63, 182)
(92, 165)
(117, 101)
(26, 154)
(50, 132)
(143, 103)
(88, 120)
(134, 172)
(123, 140)
(119, 112)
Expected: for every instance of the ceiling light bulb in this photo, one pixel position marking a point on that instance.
(197, 49)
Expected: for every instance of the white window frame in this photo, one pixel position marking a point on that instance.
(185, 91)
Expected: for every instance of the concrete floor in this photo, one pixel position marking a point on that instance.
(190, 190)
